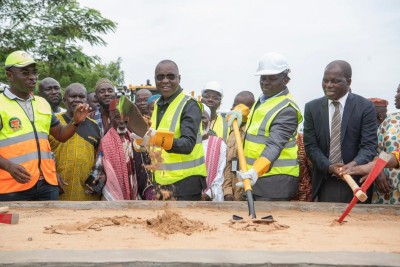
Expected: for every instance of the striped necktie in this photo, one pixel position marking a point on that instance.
(335, 155)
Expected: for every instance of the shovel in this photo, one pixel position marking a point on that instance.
(135, 121)
(243, 167)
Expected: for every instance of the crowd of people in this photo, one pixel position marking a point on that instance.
(87, 151)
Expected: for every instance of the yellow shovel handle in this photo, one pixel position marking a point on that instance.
(242, 158)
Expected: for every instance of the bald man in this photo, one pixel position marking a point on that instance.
(50, 90)
(330, 150)
(141, 100)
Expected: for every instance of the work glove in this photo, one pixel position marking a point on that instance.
(142, 141)
(251, 174)
(163, 139)
(260, 166)
(240, 113)
(234, 115)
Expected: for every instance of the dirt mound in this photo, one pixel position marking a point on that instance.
(171, 222)
(166, 223)
(257, 225)
(94, 224)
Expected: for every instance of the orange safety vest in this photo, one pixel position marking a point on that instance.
(26, 143)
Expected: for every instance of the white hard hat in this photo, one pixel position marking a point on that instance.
(272, 63)
(213, 86)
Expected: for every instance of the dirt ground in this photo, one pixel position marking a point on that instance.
(197, 228)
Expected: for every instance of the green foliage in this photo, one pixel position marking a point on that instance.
(52, 31)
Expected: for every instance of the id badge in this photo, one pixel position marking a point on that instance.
(234, 165)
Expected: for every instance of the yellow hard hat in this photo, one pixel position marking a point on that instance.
(19, 59)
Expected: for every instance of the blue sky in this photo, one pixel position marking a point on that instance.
(224, 40)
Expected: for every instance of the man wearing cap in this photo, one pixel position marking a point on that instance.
(270, 140)
(27, 170)
(50, 90)
(212, 95)
(380, 108)
(105, 93)
(339, 133)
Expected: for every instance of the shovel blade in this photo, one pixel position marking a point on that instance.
(135, 121)
(250, 202)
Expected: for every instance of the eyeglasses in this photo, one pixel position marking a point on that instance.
(170, 76)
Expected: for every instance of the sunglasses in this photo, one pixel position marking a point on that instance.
(170, 77)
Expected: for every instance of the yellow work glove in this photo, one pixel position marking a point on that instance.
(163, 139)
(260, 166)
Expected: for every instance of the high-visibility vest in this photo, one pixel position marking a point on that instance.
(176, 167)
(221, 127)
(257, 131)
(26, 143)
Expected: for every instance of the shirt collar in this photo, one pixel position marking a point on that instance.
(11, 96)
(341, 100)
(264, 98)
(161, 100)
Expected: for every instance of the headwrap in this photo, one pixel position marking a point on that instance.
(379, 102)
(103, 80)
(153, 98)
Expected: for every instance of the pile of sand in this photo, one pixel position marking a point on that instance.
(168, 222)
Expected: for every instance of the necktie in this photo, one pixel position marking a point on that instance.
(335, 155)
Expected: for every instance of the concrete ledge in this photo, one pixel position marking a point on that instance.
(193, 258)
(227, 205)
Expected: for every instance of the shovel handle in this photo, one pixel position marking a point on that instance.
(242, 158)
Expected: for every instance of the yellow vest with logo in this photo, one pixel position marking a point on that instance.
(257, 131)
(221, 127)
(26, 143)
(176, 167)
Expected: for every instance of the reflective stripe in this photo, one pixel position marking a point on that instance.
(199, 139)
(177, 113)
(263, 140)
(182, 165)
(22, 138)
(263, 125)
(30, 156)
(277, 163)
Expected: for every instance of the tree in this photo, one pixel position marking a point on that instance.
(51, 31)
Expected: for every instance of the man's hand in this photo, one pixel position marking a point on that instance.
(61, 182)
(335, 169)
(81, 112)
(229, 197)
(359, 170)
(19, 173)
(382, 183)
(251, 174)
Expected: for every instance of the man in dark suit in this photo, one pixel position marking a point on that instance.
(357, 139)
